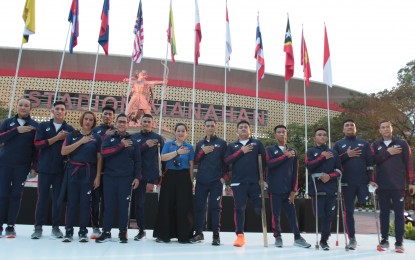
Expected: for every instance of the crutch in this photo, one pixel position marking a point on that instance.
(160, 171)
(372, 189)
(340, 197)
(129, 206)
(263, 209)
(315, 176)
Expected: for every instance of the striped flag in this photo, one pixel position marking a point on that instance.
(228, 40)
(259, 54)
(170, 34)
(104, 32)
(74, 19)
(28, 16)
(305, 61)
(139, 36)
(327, 61)
(289, 53)
(198, 31)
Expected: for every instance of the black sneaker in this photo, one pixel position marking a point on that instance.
(324, 245)
(68, 237)
(216, 240)
(160, 240)
(141, 234)
(197, 238)
(1, 232)
(82, 236)
(123, 236)
(10, 232)
(104, 237)
(384, 245)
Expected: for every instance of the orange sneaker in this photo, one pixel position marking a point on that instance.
(240, 240)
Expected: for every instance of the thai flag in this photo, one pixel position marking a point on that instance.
(104, 33)
(139, 36)
(259, 54)
(74, 19)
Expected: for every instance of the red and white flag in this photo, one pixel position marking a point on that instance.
(228, 40)
(198, 32)
(327, 78)
(259, 54)
(139, 36)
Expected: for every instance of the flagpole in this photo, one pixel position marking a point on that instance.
(224, 104)
(328, 114)
(163, 89)
(194, 94)
(305, 136)
(60, 68)
(285, 102)
(93, 79)
(129, 86)
(15, 80)
(256, 104)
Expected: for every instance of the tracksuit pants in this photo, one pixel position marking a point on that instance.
(398, 200)
(278, 202)
(43, 189)
(326, 210)
(349, 196)
(140, 199)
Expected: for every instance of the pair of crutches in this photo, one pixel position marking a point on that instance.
(315, 176)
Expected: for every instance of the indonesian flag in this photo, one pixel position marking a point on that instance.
(170, 34)
(29, 19)
(74, 19)
(305, 61)
(198, 32)
(139, 36)
(327, 61)
(259, 54)
(104, 32)
(289, 53)
(228, 40)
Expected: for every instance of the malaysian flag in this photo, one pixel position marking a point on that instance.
(139, 36)
(259, 54)
(104, 32)
(74, 19)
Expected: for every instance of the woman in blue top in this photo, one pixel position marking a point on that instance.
(175, 211)
(83, 173)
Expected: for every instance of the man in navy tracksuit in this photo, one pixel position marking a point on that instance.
(357, 162)
(243, 156)
(122, 170)
(17, 158)
(394, 169)
(106, 128)
(210, 178)
(326, 162)
(149, 143)
(48, 140)
(282, 177)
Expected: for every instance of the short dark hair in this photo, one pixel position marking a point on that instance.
(243, 122)
(384, 121)
(81, 119)
(121, 115)
(279, 126)
(108, 108)
(348, 120)
(180, 124)
(210, 120)
(320, 129)
(59, 103)
(147, 115)
(30, 102)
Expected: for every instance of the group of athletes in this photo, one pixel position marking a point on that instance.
(102, 164)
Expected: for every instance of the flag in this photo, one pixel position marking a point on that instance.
(198, 31)
(29, 19)
(305, 61)
(327, 61)
(228, 40)
(289, 53)
(139, 36)
(74, 19)
(259, 54)
(170, 34)
(104, 32)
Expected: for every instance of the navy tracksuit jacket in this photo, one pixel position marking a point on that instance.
(282, 178)
(245, 176)
(121, 165)
(211, 168)
(317, 163)
(393, 172)
(50, 168)
(17, 157)
(357, 172)
(150, 171)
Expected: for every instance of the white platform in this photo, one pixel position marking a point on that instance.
(22, 247)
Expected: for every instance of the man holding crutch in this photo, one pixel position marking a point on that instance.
(394, 168)
(282, 177)
(356, 158)
(324, 167)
